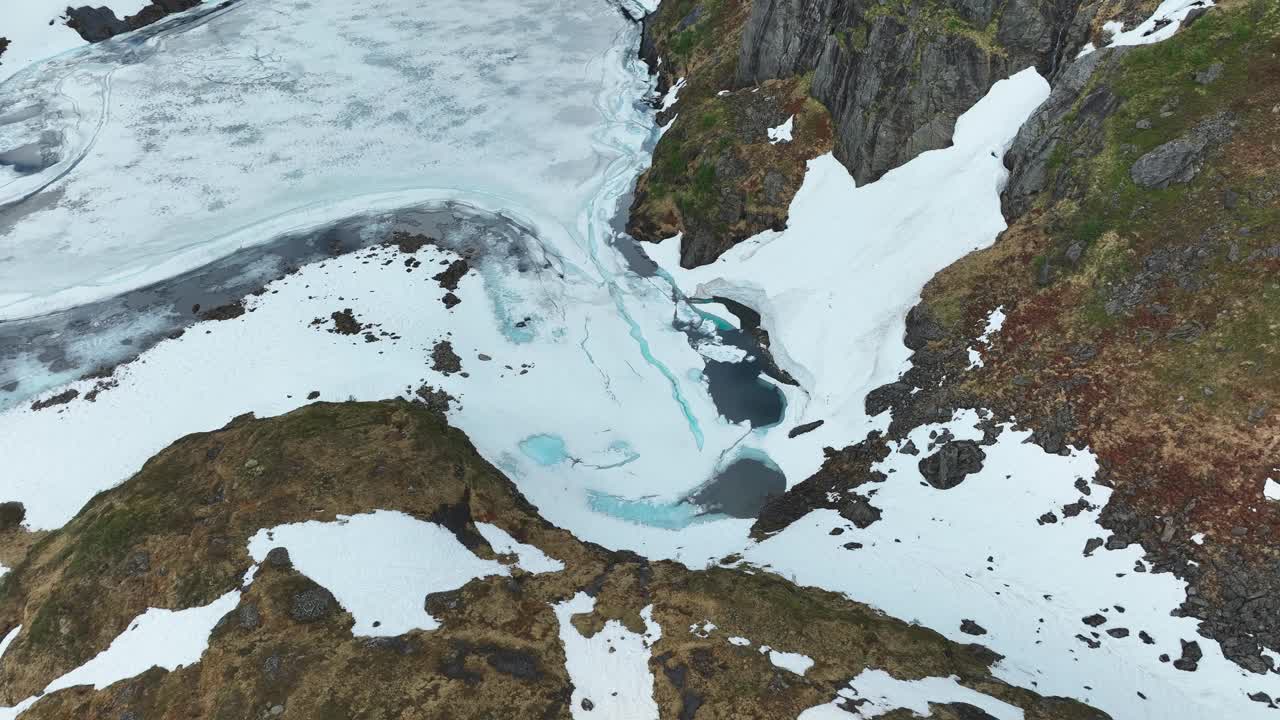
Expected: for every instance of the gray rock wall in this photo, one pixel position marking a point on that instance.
(896, 75)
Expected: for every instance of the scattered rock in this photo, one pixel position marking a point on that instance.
(1209, 74)
(437, 401)
(450, 276)
(230, 311)
(799, 430)
(95, 24)
(410, 243)
(1118, 632)
(1091, 544)
(587, 704)
(345, 323)
(313, 394)
(249, 616)
(138, 563)
(970, 627)
(61, 398)
(450, 300)
(1143, 124)
(444, 359)
(1190, 656)
(1093, 620)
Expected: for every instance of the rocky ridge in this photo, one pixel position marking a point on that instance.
(175, 536)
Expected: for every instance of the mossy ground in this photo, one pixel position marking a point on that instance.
(1160, 338)
(715, 176)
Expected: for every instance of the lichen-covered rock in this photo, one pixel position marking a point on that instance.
(1179, 160)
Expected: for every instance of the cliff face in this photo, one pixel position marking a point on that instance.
(896, 75)
(892, 77)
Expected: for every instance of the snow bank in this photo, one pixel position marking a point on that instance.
(379, 566)
(609, 670)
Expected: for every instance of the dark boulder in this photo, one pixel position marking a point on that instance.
(952, 462)
(11, 515)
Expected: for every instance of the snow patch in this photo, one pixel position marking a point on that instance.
(1162, 24)
(782, 133)
(531, 559)
(995, 321)
(1271, 490)
(861, 254)
(673, 95)
(794, 662)
(157, 638)
(379, 566)
(609, 670)
(8, 640)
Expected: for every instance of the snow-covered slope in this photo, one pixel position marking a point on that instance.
(576, 375)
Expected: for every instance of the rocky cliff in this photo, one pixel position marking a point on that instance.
(893, 77)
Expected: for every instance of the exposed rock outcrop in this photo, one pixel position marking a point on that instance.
(1069, 121)
(896, 75)
(100, 23)
(1179, 160)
